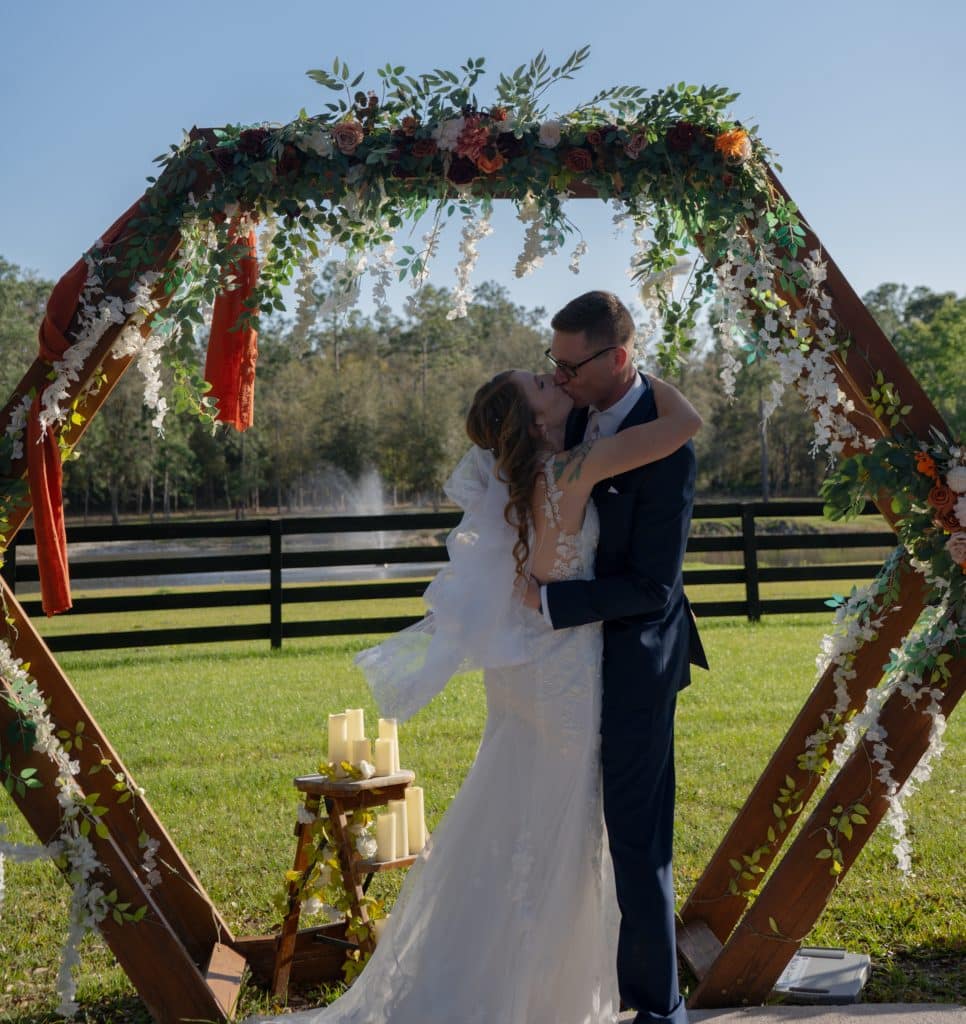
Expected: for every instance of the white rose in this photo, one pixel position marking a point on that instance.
(318, 142)
(956, 479)
(446, 133)
(366, 846)
(549, 134)
(744, 151)
(956, 546)
(959, 510)
(312, 906)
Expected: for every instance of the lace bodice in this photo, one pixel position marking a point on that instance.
(573, 556)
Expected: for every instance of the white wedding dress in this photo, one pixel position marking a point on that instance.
(510, 915)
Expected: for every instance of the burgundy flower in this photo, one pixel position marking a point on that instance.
(579, 160)
(252, 141)
(224, 157)
(510, 146)
(594, 137)
(425, 147)
(682, 136)
(461, 171)
(288, 163)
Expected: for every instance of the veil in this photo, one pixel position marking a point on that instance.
(475, 609)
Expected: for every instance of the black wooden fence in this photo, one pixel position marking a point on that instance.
(275, 557)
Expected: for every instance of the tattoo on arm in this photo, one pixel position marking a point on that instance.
(571, 463)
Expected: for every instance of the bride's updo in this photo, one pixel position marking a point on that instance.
(501, 420)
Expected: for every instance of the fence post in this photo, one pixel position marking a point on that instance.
(275, 582)
(9, 570)
(752, 598)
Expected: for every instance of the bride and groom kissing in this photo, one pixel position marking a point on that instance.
(545, 895)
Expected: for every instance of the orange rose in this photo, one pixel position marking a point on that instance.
(498, 113)
(925, 465)
(347, 135)
(409, 124)
(734, 145)
(941, 497)
(947, 522)
(490, 164)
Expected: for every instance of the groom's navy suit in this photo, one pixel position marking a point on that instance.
(649, 640)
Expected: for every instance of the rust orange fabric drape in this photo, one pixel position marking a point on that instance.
(233, 349)
(44, 470)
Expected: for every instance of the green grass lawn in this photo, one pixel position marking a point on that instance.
(216, 733)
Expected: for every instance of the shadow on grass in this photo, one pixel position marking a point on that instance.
(114, 1009)
(930, 973)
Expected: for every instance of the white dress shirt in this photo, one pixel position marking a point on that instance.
(602, 423)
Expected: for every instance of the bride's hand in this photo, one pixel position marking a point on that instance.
(531, 596)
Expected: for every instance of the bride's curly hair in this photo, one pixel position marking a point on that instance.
(501, 420)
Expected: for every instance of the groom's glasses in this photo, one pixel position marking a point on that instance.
(571, 368)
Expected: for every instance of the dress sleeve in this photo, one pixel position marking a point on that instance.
(474, 606)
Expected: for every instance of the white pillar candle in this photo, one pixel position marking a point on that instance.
(355, 724)
(389, 730)
(384, 757)
(385, 837)
(359, 751)
(379, 927)
(416, 819)
(398, 807)
(337, 739)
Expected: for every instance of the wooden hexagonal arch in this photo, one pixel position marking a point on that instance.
(186, 963)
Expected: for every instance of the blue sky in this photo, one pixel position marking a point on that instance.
(862, 101)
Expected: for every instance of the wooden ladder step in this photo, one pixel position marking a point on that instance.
(698, 946)
(224, 974)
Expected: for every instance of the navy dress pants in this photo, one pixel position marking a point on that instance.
(637, 752)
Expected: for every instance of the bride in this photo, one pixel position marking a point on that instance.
(510, 916)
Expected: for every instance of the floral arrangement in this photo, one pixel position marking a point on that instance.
(93, 898)
(927, 484)
(346, 181)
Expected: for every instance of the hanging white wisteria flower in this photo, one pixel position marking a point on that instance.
(580, 250)
(475, 229)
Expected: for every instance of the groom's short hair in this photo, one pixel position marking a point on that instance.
(602, 317)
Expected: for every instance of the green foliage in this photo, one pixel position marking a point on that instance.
(906, 470)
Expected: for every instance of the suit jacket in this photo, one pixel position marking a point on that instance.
(645, 515)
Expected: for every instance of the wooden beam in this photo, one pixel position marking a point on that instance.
(149, 951)
(180, 895)
(754, 957)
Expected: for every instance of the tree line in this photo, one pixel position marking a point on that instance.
(340, 398)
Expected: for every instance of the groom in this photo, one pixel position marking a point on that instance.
(649, 637)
